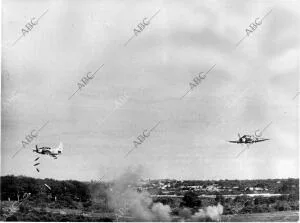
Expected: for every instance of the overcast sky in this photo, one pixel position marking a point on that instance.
(250, 86)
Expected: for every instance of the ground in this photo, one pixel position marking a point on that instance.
(271, 216)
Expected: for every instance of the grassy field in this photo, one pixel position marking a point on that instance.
(271, 216)
(282, 216)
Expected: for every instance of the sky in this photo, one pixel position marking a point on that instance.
(141, 85)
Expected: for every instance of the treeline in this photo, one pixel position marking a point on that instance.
(50, 193)
(247, 205)
(15, 187)
(273, 185)
(91, 197)
(65, 193)
(238, 205)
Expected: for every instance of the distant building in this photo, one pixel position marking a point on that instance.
(258, 189)
(212, 188)
(194, 187)
(163, 187)
(249, 189)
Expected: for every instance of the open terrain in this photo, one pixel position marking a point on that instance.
(271, 216)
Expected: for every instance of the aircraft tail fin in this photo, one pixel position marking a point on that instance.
(239, 135)
(60, 148)
(36, 148)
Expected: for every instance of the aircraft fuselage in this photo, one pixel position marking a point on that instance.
(247, 139)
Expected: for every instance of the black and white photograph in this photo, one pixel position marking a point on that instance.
(150, 111)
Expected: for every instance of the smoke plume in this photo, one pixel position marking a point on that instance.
(125, 200)
(131, 204)
(210, 213)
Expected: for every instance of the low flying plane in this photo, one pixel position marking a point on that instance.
(49, 151)
(247, 140)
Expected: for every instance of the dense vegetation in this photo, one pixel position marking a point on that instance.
(13, 188)
(47, 195)
(238, 205)
(27, 214)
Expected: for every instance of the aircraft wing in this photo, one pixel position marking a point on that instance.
(235, 142)
(260, 140)
(53, 155)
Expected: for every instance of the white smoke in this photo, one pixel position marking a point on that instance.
(185, 213)
(210, 213)
(161, 212)
(127, 202)
(124, 199)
